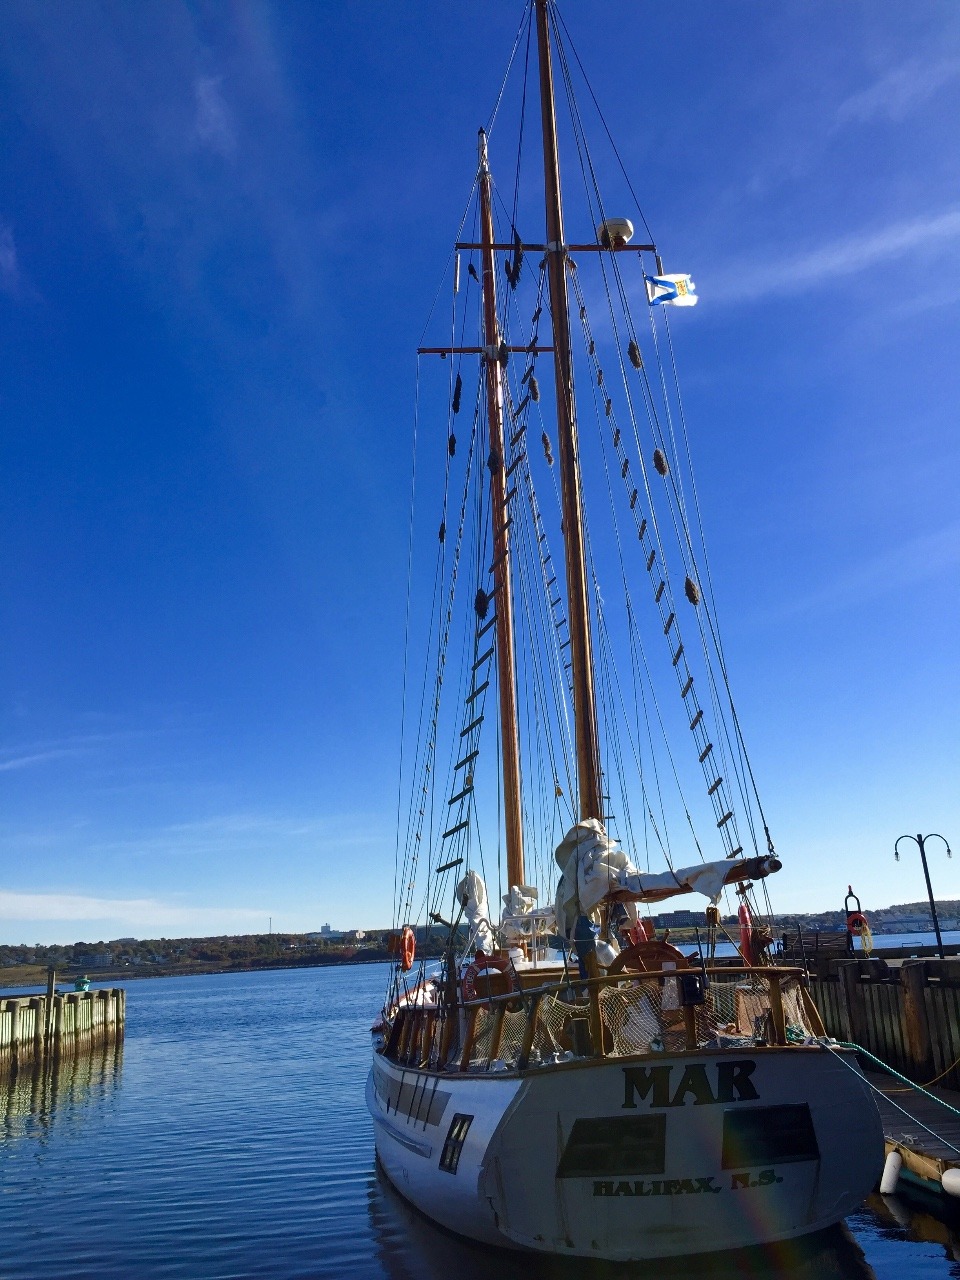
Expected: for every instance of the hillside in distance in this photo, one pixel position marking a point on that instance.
(23, 964)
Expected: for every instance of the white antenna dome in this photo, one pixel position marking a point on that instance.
(615, 232)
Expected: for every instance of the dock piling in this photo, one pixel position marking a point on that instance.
(43, 1028)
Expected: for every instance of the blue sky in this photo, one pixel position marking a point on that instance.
(221, 230)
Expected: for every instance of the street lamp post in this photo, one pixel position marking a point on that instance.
(920, 842)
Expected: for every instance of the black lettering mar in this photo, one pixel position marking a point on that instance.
(693, 1083)
(733, 1085)
(639, 1081)
(733, 1082)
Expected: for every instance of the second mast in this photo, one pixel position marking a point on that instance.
(503, 592)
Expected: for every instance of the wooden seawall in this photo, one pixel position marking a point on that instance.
(35, 1027)
(909, 1016)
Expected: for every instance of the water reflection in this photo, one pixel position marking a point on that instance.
(910, 1218)
(37, 1094)
(410, 1247)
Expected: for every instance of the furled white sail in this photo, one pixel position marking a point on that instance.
(594, 867)
(472, 896)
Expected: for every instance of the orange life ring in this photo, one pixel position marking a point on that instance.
(856, 922)
(479, 964)
(408, 948)
(746, 935)
(642, 931)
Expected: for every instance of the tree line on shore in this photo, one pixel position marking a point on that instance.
(233, 951)
(281, 950)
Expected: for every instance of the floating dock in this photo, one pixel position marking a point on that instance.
(926, 1139)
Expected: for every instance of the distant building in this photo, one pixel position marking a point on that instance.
(329, 934)
(910, 924)
(680, 920)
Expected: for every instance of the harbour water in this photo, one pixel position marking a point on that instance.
(229, 1138)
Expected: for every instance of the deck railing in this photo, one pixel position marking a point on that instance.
(666, 1010)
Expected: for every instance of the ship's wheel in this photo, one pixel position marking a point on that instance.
(647, 957)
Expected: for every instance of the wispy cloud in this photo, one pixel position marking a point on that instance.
(824, 265)
(9, 269)
(8, 763)
(214, 122)
(153, 913)
(40, 753)
(893, 570)
(135, 142)
(900, 91)
(221, 838)
(243, 833)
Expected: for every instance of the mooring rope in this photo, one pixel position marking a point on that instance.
(945, 1072)
(843, 1044)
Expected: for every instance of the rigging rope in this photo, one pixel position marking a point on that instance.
(681, 524)
(546, 683)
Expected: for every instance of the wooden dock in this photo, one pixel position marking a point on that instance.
(33, 1028)
(927, 1139)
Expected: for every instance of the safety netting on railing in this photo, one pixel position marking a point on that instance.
(642, 1013)
(639, 1015)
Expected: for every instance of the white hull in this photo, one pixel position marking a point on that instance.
(680, 1167)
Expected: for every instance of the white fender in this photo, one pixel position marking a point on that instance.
(891, 1173)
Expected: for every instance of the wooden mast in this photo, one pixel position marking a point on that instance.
(503, 598)
(581, 655)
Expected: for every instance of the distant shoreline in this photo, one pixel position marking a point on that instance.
(36, 975)
(33, 976)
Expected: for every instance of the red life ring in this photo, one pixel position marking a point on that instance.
(408, 948)
(480, 964)
(856, 922)
(641, 932)
(746, 935)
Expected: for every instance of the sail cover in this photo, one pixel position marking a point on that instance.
(472, 896)
(594, 867)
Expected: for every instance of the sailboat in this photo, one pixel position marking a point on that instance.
(564, 1078)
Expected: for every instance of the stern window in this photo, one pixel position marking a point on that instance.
(614, 1146)
(453, 1146)
(768, 1135)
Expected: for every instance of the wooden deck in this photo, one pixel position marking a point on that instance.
(926, 1155)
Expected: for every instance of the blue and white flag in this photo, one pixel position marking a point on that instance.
(674, 291)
